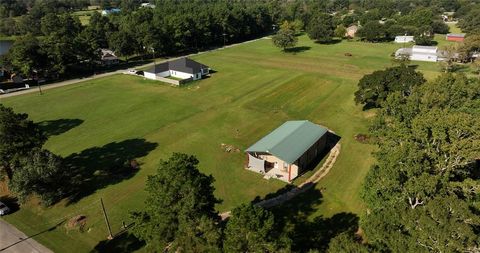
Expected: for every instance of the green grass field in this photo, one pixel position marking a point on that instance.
(256, 87)
(84, 16)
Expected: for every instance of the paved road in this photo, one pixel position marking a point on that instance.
(64, 83)
(13, 240)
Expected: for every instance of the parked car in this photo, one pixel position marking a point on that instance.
(4, 209)
(140, 73)
(131, 72)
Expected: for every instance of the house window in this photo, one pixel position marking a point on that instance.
(285, 167)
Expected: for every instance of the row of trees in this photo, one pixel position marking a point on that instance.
(420, 22)
(422, 194)
(59, 41)
(65, 43)
(323, 27)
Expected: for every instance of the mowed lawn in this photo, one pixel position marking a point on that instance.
(256, 88)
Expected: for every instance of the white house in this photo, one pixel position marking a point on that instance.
(421, 53)
(182, 68)
(108, 57)
(403, 39)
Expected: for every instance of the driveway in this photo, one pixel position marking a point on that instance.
(13, 240)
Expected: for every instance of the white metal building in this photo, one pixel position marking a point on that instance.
(421, 53)
(403, 39)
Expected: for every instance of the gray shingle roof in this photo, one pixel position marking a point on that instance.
(185, 65)
(290, 141)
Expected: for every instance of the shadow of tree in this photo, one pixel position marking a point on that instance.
(295, 50)
(333, 41)
(122, 243)
(306, 233)
(98, 167)
(58, 126)
(317, 234)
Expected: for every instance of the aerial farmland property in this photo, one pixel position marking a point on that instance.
(267, 126)
(254, 89)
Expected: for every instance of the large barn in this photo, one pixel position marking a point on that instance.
(287, 151)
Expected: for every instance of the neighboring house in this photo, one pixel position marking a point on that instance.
(421, 53)
(182, 68)
(351, 31)
(404, 39)
(287, 151)
(110, 11)
(108, 57)
(147, 5)
(459, 37)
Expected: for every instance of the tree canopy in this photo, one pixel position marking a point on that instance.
(285, 37)
(180, 207)
(421, 192)
(321, 28)
(18, 137)
(373, 89)
(40, 173)
(253, 229)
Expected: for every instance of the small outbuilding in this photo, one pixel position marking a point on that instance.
(404, 39)
(287, 151)
(458, 37)
(184, 69)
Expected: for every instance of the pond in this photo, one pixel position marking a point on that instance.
(5, 46)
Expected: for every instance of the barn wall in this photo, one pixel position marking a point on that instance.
(311, 154)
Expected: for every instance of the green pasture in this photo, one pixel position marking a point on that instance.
(255, 88)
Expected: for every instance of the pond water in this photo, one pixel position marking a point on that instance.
(4, 46)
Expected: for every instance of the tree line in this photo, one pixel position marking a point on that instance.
(422, 193)
(53, 42)
(58, 42)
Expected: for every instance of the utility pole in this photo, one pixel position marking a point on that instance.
(154, 61)
(39, 88)
(110, 236)
(38, 83)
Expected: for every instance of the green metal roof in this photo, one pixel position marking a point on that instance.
(290, 140)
